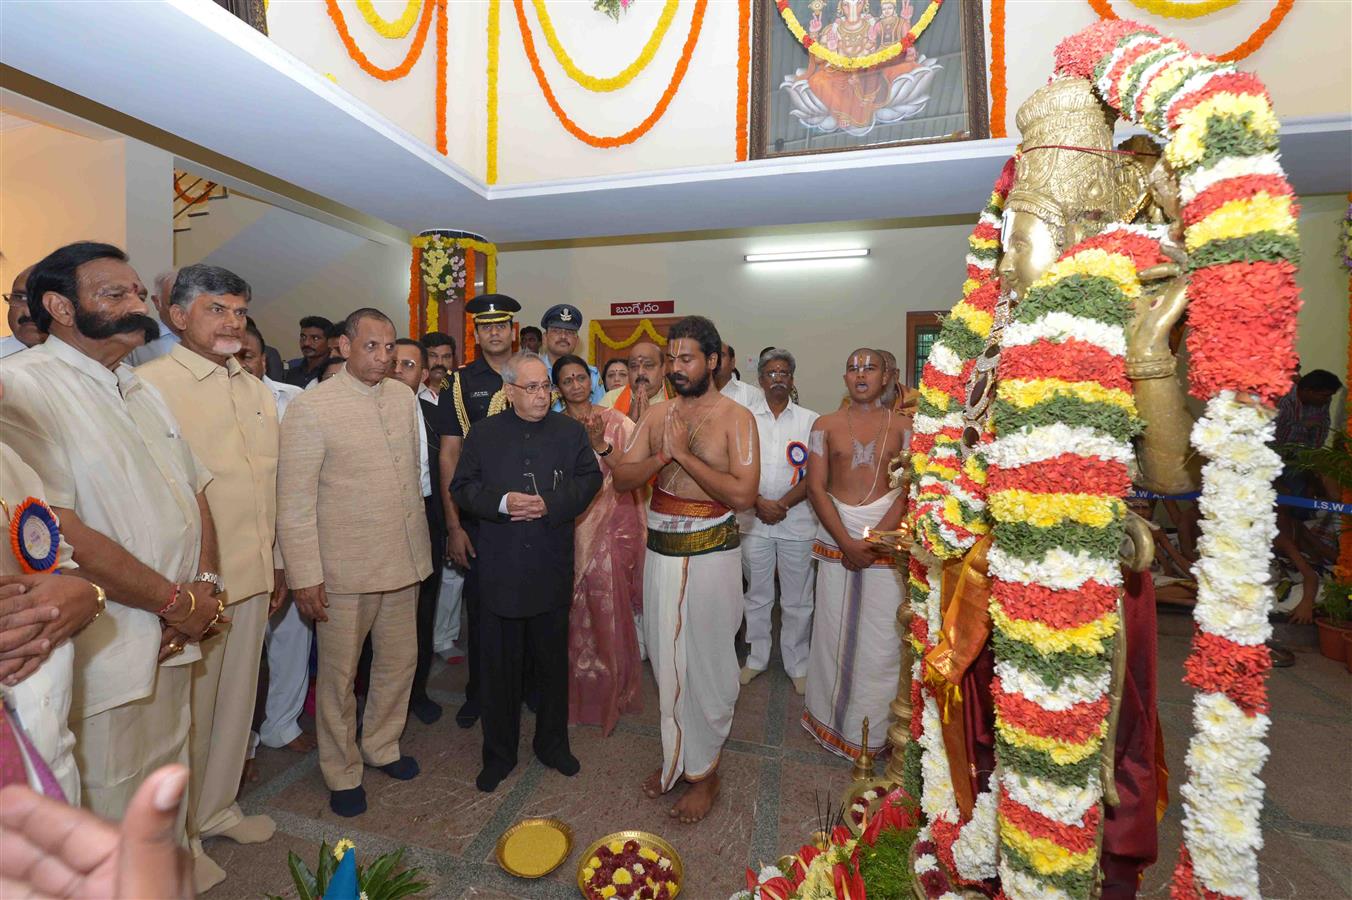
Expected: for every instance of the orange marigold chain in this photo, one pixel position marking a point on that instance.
(360, 58)
(638, 131)
(441, 77)
(999, 90)
(414, 307)
(1245, 48)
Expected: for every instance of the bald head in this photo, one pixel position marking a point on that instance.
(20, 319)
(645, 367)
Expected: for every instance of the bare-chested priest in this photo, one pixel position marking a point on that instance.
(855, 655)
(704, 449)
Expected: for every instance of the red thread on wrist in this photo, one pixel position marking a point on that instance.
(173, 599)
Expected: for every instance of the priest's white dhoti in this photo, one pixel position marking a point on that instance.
(855, 658)
(692, 607)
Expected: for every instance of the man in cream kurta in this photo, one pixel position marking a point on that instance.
(129, 493)
(229, 419)
(353, 532)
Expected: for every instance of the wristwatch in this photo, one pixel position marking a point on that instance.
(210, 578)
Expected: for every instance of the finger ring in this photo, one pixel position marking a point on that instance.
(175, 646)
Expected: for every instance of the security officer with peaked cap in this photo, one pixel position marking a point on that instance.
(562, 323)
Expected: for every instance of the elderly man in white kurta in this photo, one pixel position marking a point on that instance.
(129, 493)
(777, 532)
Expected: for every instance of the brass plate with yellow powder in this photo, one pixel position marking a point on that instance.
(532, 848)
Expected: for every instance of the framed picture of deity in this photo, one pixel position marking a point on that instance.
(833, 75)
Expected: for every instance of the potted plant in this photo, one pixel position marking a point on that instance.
(338, 877)
(1334, 618)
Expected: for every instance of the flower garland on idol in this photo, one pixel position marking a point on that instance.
(947, 515)
(1239, 217)
(1063, 422)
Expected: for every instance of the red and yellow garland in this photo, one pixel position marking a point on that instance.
(639, 130)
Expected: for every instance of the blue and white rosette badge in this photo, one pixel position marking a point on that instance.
(797, 454)
(34, 536)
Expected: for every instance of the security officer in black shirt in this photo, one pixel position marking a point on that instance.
(475, 392)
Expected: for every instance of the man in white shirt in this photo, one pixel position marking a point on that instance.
(24, 333)
(289, 634)
(777, 532)
(169, 335)
(729, 385)
(130, 494)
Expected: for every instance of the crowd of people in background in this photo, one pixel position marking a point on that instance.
(184, 505)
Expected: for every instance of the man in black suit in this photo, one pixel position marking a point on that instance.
(525, 476)
(410, 367)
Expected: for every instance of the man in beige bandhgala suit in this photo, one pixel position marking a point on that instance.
(353, 533)
(129, 492)
(229, 418)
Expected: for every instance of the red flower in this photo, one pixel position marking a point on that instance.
(1057, 608)
(848, 883)
(1080, 53)
(1076, 838)
(1222, 192)
(808, 40)
(1076, 724)
(1070, 360)
(1224, 82)
(1242, 328)
(1067, 473)
(1220, 665)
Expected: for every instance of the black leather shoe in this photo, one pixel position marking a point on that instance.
(565, 764)
(425, 710)
(468, 714)
(405, 768)
(348, 803)
(489, 779)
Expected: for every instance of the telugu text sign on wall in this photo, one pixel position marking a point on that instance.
(644, 308)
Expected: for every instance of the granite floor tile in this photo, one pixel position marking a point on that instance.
(772, 770)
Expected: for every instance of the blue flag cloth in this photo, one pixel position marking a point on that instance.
(343, 884)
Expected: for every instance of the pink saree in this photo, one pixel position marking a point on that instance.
(608, 547)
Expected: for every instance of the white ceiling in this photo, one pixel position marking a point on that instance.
(190, 68)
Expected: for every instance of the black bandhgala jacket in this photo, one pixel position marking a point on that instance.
(525, 568)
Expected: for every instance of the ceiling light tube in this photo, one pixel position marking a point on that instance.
(797, 255)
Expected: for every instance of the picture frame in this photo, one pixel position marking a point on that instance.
(936, 95)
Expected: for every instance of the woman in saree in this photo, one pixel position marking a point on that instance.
(608, 569)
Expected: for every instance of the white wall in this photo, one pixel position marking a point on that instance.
(822, 311)
(298, 266)
(57, 187)
(1305, 65)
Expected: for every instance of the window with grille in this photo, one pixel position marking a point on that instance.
(922, 330)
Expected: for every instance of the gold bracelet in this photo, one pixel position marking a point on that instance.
(220, 611)
(192, 608)
(101, 598)
(1151, 367)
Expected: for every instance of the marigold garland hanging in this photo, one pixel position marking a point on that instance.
(644, 328)
(633, 134)
(1245, 49)
(400, 27)
(628, 73)
(999, 75)
(414, 279)
(743, 75)
(494, 40)
(361, 59)
(841, 61)
(1170, 9)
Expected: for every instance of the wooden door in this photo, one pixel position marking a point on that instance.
(622, 331)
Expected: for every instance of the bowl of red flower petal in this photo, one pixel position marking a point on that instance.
(630, 865)
(862, 802)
